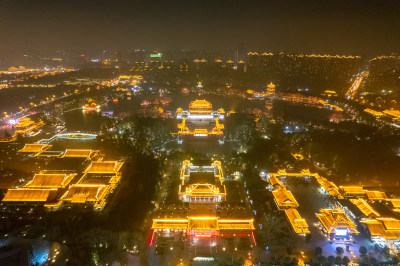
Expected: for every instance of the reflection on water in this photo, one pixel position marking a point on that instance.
(292, 111)
(78, 120)
(63, 144)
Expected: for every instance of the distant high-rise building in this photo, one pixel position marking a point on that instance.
(384, 73)
(310, 71)
(242, 52)
(137, 56)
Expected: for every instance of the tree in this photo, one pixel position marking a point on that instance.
(20, 138)
(338, 260)
(346, 260)
(317, 251)
(385, 250)
(7, 135)
(339, 250)
(322, 260)
(395, 260)
(270, 223)
(363, 250)
(331, 260)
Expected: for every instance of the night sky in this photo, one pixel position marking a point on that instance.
(344, 27)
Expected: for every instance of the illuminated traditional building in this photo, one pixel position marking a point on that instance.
(200, 120)
(394, 114)
(329, 187)
(376, 195)
(299, 225)
(364, 207)
(274, 181)
(201, 183)
(91, 105)
(269, 92)
(375, 113)
(284, 198)
(394, 204)
(384, 231)
(43, 181)
(35, 148)
(298, 156)
(81, 153)
(337, 224)
(55, 187)
(99, 179)
(352, 191)
(23, 195)
(91, 194)
(201, 186)
(329, 93)
(24, 127)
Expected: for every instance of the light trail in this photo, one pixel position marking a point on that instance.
(356, 85)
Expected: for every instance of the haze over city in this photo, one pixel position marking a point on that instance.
(339, 27)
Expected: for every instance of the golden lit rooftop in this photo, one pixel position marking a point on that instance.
(203, 223)
(50, 180)
(78, 153)
(85, 193)
(336, 218)
(298, 224)
(395, 204)
(376, 195)
(284, 198)
(200, 106)
(364, 207)
(24, 124)
(35, 148)
(27, 194)
(352, 189)
(377, 227)
(274, 180)
(104, 167)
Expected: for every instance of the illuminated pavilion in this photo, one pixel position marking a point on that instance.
(337, 224)
(201, 186)
(269, 92)
(200, 120)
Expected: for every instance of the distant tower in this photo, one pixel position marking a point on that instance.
(241, 57)
(270, 93)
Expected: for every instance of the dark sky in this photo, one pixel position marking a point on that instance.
(324, 26)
